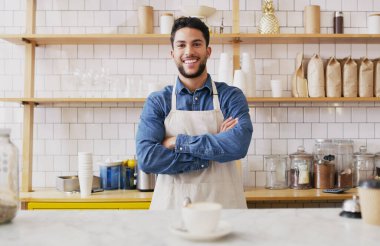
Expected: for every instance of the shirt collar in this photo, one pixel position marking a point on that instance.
(180, 87)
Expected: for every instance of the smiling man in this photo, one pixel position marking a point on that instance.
(191, 133)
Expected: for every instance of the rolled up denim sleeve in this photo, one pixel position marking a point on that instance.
(224, 146)
(152, 156)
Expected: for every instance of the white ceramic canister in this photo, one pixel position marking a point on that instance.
(166, 23)
(374, 23)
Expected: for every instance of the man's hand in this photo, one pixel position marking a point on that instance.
(169, 142)
(228, 124)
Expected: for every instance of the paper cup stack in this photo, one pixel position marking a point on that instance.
(85, 173)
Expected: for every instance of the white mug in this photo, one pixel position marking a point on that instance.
(374, 24)
(166, 23)
(276, 86)
(201, 217)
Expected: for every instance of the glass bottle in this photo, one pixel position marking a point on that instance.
(8, 177)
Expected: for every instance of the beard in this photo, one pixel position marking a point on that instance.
(201, 69)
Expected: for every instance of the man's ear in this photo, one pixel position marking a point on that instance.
(208, 52)
(171, 54)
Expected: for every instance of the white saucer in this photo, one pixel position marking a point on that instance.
(222, 230)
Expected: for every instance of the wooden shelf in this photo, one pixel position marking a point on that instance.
(52, 39)
(244, 38)
(141, 100)
(254, 38)
(12, 100)
(311, 99)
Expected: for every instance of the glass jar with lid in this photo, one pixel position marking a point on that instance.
(324, 147)
(364, 165)
(324, 164)
(276, 167)
(8, 177)
(300, 173)
(377, 165)
(344, 163)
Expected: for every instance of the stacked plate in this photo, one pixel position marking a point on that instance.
(85, 173)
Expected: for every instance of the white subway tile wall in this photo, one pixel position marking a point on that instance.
(108, 129)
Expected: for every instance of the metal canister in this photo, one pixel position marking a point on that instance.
(364, 165)
(300, 173)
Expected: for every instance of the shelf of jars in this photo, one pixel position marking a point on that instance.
(139, 100)
(245, 38)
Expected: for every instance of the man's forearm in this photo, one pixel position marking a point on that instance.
(221, 147)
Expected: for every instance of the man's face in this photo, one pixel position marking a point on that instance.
(190, 52)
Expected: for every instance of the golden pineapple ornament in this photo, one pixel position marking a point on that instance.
(269, 23)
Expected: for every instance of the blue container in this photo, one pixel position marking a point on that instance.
(110, 175)
(127, 178)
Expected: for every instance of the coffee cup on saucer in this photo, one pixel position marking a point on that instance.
(201, 217)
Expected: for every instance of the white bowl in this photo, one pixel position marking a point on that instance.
(189, 10)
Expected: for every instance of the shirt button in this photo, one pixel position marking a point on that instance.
(196, 99)
(202, 166)
(180, 148)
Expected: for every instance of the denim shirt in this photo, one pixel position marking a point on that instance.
(192, 152)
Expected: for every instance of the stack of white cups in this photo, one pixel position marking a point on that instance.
(240, 81)
(85, 173)
(225, 68)
(248, 68)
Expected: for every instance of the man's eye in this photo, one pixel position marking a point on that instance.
(180, 45)
(197, 44)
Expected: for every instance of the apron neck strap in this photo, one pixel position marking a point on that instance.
(215, 97)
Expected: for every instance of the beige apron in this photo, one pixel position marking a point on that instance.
(220, 182)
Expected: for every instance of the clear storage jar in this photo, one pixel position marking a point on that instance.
(276, 167)
(324, 164)
(364, 165)
(344, 163)
(300, 172)
(377, 165)
(8, 177)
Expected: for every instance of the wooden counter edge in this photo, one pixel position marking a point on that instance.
(251, 194)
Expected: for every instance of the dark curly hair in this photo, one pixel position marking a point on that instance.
(191, 22)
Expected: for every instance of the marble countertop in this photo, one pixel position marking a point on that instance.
(138, 227)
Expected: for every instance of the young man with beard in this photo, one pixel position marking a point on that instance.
(191, 133)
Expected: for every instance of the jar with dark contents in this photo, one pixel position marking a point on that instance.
(338, 22)
(300, 173)
(344, 163)
(324, 172)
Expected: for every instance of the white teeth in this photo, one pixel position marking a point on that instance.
(190, 61)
